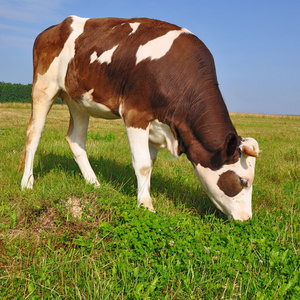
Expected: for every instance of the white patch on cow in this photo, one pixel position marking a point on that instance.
(118, 26)
(161, 136)
(58, 68)
(157, 48)
(239, 206)
(106, 56)
(94, 109)
(93, 57)
(134, 27)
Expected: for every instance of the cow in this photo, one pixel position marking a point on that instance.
(160, 79)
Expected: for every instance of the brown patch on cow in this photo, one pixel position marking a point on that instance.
(22, 160)
(28, 131)
(49, 44)
(230, 183)
(137, 119)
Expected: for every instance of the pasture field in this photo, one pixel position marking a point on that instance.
(68, 240)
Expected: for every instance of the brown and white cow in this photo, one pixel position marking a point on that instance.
(161, 80)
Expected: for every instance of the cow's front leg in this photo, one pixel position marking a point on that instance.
(143, 157)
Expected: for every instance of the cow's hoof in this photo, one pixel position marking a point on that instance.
(147, 206)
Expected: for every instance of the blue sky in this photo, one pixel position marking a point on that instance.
(255, 43)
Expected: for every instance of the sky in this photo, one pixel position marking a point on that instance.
(255, 43)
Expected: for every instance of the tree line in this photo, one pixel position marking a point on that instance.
(16, 92)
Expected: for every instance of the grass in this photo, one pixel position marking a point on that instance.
(68, 240)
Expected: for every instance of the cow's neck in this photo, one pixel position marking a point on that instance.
(206, 135)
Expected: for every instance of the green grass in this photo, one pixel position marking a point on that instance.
(68, 240)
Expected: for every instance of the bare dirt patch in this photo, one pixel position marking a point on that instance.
(74, 207)
(45, 221)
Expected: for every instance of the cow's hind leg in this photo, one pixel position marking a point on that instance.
(42, 100)
(76, 138)
(143, 157)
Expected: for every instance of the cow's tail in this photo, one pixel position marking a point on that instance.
(22, 161)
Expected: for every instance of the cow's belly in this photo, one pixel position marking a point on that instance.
(161, 136)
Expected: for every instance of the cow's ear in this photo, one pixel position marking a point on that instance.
(231, 144)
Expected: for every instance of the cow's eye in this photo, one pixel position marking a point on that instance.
(244, 182)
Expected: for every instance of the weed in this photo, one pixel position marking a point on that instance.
(108, 137)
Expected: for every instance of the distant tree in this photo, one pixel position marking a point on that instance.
(15, 92)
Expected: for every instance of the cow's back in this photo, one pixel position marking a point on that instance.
(107, 61)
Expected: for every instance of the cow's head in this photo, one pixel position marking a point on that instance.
(230, 187)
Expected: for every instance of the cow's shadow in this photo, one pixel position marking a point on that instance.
(123, 175)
